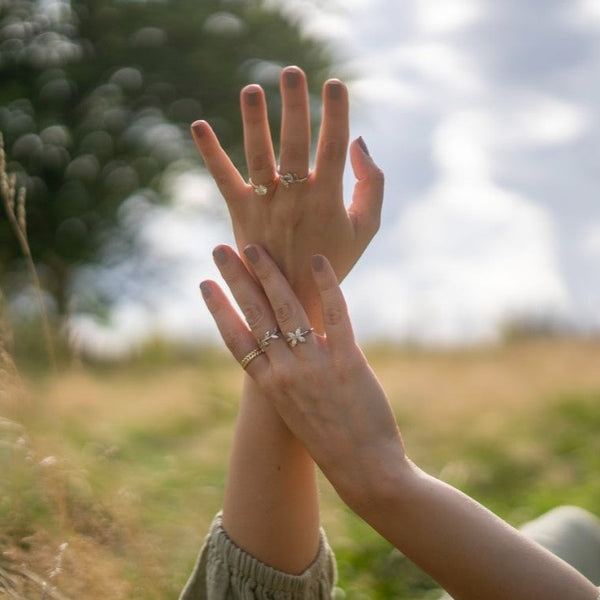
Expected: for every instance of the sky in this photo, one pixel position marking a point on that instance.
(484, 118)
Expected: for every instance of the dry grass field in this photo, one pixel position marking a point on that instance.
(125, 463)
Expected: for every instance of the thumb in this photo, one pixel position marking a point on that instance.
(367, 198)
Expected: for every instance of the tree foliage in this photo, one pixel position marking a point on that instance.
(96, 98)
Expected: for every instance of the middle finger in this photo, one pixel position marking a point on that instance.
(295, 123)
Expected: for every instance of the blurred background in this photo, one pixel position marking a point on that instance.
(483, 118)
(478, 302)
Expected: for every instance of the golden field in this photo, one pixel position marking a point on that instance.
(125, 463)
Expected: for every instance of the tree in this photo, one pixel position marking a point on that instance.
(97, 97)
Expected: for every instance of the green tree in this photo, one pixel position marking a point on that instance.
(96, 98)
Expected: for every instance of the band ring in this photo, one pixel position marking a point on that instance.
(251, 356)
(267, 337)
(288, 178)
(298, 336)
(261, 189)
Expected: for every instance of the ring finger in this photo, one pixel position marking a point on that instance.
(249, 297)
(257, 139)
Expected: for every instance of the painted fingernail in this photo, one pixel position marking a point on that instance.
(292, 79)
(205, 289)
(317, 262)
(252, 97)
(198, 129)
(220, 256)
(363, 146)
(251, 253)
(334, 90)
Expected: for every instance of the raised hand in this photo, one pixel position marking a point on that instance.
(290, 210)
(321, 386)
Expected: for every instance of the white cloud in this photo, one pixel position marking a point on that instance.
(435, 17)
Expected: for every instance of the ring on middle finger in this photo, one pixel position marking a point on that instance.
(267, 337)
(288, 178)
(298, 336)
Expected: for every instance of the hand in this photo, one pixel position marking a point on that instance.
(304, 218)
(322, 387)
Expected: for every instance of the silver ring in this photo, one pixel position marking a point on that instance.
(297, 337)
(266, 339)
(250, 357)
(261, 189)
(288, 178)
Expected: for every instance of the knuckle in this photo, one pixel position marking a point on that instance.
(333, 315)
(260, 162)
(233, 340)
(254, 313)
(292, 153)
(334, 150)
(284, 312)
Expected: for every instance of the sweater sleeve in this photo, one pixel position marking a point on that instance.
(224, 571)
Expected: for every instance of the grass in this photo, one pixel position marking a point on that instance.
(126, 463)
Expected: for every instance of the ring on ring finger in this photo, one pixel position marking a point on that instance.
(261, 189)
(267, 337)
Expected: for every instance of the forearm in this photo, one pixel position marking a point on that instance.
(471, 552)
(271, 502)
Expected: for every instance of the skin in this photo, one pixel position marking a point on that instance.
(270, 506)
(331, 400)
(295, 222)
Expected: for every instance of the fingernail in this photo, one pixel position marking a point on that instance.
(251, 253)
(197, 128)
(363, 146)
(292, 78)
(205, 289)
(252, 97)
(317, 262)
(334, 90)
(220, 256)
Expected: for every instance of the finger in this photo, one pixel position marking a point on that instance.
(233, 330)
(248, 294)
(333, 135)
(295, 123)
(219, 165)
(367, 198)
(336, 321)
(257, 136)
(286, 307)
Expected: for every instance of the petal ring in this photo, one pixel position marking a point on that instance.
(298, 336)
(288, 178)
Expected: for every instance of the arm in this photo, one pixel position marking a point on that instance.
(328, 396)
(271, 502)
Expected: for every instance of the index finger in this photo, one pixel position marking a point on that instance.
(334, 134)
(336, 321)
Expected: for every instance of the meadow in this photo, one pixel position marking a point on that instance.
(111, 474)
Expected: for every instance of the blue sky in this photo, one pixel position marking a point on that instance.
(484, 117)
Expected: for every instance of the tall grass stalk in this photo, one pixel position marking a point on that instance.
(14, 203)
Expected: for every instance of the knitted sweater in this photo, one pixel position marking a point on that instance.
(225, 572)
